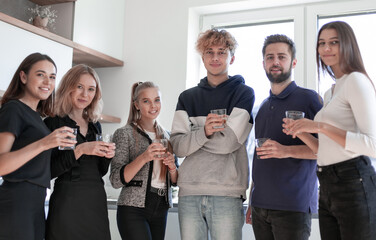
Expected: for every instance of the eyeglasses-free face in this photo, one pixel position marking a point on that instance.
(217, 60)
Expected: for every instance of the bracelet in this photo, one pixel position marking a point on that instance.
(172, 170)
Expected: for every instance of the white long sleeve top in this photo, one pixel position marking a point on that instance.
(349, 105)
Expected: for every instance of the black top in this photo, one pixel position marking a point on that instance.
(78, 203)
(64, 164)
(27, 127)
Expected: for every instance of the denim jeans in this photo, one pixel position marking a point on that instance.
(222, 217)
(280, 225)
(347, 204)
(147, 223)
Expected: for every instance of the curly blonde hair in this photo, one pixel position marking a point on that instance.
(215, 37)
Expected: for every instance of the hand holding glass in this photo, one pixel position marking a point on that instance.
(220, 113)
(164, 143)
(259, 142)
(75, 138)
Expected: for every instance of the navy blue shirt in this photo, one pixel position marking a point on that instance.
(285, 184)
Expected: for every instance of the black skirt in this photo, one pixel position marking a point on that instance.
(78, 210)
(22, 214)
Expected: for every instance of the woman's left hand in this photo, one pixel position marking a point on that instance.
(295, 127)
(169, 161)
(110, 151)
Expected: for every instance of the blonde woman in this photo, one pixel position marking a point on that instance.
(78, 204)
(142, 169)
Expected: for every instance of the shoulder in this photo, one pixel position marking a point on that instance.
(246, 90)
(358, 79)
(307, 94)
(54, 122)
(306, 91)
(12, 105)
(189, 92)
(123, 131)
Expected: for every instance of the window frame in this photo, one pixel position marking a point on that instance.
(280, 14)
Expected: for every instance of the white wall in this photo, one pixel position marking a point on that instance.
(99, 25)
(16, 44)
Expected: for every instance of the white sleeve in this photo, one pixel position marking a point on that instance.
(362, 99)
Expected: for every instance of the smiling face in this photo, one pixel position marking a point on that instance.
(149, 104)
(39, 81)
(278, 63)
(84, 92)
(217, 60)
(328, 48)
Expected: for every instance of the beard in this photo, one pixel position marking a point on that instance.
(279, 78)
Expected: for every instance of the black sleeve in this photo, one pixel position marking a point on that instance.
(11, 118)
(61, 161)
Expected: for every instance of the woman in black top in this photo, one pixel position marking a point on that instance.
(78, 204)
(24, 149)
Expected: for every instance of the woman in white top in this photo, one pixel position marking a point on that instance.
(346, 128)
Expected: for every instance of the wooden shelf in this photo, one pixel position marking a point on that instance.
(81, 54)
(109, 119)
(50, 2)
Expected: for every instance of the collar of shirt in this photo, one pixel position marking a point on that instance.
(286, 92)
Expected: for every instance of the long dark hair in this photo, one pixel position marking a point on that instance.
(350, 59)
(16, 88)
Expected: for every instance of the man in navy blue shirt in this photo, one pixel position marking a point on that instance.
(284, 189)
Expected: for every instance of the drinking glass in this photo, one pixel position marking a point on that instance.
(295, 115)
(164, 143)
(105, 137)
(221, 113)
(75, 138)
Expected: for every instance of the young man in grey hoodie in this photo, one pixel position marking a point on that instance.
(214, 175)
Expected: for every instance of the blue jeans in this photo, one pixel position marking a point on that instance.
(347, 204)
(222, 217)
(270, 224)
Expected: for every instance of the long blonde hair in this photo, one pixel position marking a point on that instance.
(135, 117)
(68, 84)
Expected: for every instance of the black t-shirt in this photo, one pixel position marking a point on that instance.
(28, 127)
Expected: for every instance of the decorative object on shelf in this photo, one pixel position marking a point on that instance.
(43, 17)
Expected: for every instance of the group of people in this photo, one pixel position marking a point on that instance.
(332, 142)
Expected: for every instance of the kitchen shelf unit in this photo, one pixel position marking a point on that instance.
(81, 54)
